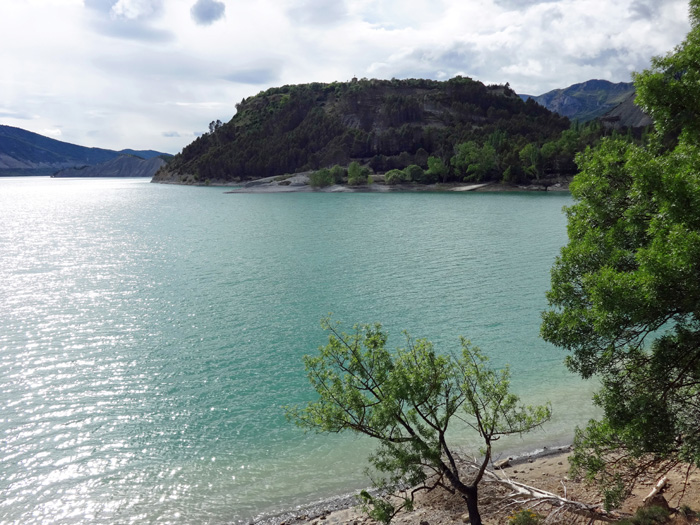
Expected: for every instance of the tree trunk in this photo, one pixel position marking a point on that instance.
(470, 495)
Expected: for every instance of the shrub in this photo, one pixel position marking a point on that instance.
(525, 517)
(394, 177)
(321, 178)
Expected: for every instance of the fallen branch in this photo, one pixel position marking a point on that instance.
(539, 496)
(657, 489)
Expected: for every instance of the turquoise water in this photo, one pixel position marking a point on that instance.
(151, 333)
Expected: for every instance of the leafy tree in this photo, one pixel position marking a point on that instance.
(531, 158)
(414, 173)
(321, 178)
(338, 173)
(358, 175)
(625, 297)
(474, 163)
(406, 400)
(437, 169)
(394, 177)
(668, 90)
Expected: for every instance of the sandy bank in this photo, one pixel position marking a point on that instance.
(547, 470)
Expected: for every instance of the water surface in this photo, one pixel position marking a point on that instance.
(151, 333)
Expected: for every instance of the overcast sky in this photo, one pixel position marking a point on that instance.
(152, 74)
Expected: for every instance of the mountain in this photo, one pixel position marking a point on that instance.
(585, 101)
(626, 115)
(25, 153)
(386, 124)
(122, 166)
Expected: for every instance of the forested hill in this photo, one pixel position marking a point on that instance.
(385, 124)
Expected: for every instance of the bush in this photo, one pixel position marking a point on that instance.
(394, 177)
(414, 173)
(525, 517)
(357, 175)
(321, 178)
(648, 516)
(338, 173)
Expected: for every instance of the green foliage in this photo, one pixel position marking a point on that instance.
(321, 178)
(381, 509)
(338, 173)
(625, 290)
(474, 163)
(414, 173)
(394, 177)
(437, 169)
(648, 516)
(524, 517)
(406, 399)
(358, 175)
(668, 90)
(531, 158)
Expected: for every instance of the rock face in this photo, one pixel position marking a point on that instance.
(587, 100)
(122, 166)
(626, 115)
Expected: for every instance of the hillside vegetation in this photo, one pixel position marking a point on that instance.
(468, 130)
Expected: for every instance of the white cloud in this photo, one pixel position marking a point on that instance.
(133, 9)
(52, 132)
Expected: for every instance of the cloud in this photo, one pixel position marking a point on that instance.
(254, 76)
(136, 9)
(8, 113)
(644, 9)
(51, 132)
(206, 12)
(318, 12)
(170, 134)
(521, 4)
(104, 6)
(133, 30)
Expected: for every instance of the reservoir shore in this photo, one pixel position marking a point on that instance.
(546, 469)
(526, 468)
(300, 183)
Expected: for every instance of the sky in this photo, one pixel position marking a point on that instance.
(152, 74)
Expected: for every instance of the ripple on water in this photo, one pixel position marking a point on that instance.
(151, 333)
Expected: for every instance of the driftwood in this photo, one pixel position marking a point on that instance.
(527, 495)
(657, 489)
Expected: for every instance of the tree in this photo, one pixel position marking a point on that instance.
(394, 177)
(437, 169)
(357, 175)
(625, 296)
(406, 400)
(474, 163)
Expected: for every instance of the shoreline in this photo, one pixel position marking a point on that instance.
(324, 508)
(546, 468)
(299, 183)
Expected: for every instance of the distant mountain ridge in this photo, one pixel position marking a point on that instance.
(23, 152)
(585, 101)
(122, 166)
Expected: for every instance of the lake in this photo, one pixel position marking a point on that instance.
(151, 334)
